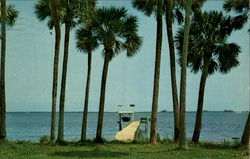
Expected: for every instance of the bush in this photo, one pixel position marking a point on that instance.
(45, 140)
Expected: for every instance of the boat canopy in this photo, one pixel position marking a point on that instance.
(126, 112)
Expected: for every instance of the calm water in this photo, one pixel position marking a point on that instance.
(217, 126)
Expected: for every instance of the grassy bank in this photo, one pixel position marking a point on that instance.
(113, 150)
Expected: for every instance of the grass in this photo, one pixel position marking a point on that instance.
(115, 150)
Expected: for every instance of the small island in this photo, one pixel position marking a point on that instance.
(230, 111)
(163, 111)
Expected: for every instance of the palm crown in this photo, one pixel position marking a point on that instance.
(70, 10)
(12, 15)
(115, 31)
(86, 41)
(149, 6)
(209, 32)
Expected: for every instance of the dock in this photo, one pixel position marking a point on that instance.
(129, 133)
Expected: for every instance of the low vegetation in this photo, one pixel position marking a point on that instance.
(138, 149)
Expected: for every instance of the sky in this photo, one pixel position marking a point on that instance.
(29, 68)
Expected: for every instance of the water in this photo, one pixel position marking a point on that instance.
(217, 126)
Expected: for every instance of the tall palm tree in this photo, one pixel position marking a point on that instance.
(184, 52)
(189, 5)
(86, 42)
(8, 17)
(246, 134)
(209, 52)
(49, 9)
(242, 8)
(172, 11)
(55, 17)
(149, 7)
(116, 31)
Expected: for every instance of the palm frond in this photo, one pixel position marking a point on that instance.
(227, 57)
(149, 7)
(43, 9)
(213, 67)
(50, 23)
(239, 6)
(239, 21)
(178, 15)
(12, 15)
(85, 40)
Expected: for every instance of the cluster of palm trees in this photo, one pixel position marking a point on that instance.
(112, 28)
(201, 43)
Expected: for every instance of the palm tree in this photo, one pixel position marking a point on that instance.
(149, 7)
(116, 31)
(8, 17)
(69, 15)
(172, 11)
(47, 9)
(189, 5)
(184, 52)
(209, 52)
(246, 134)
(86, 42)
(242, 8)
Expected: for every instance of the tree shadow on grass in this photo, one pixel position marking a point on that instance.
(218, 145)
(90, 154)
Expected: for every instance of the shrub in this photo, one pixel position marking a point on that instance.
(45, 140)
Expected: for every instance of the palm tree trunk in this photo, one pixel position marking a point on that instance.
(182, 137)
(153, 129)
(197, 129)
(2, 75)
(169, 19)
(102, 98)
(246, 134)
(85, 111)
(54, 12)
(63, 83)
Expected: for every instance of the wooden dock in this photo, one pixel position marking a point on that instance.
(129, 133)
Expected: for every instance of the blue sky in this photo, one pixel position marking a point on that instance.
(29, 68)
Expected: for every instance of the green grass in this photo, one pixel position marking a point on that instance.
(115, 150)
